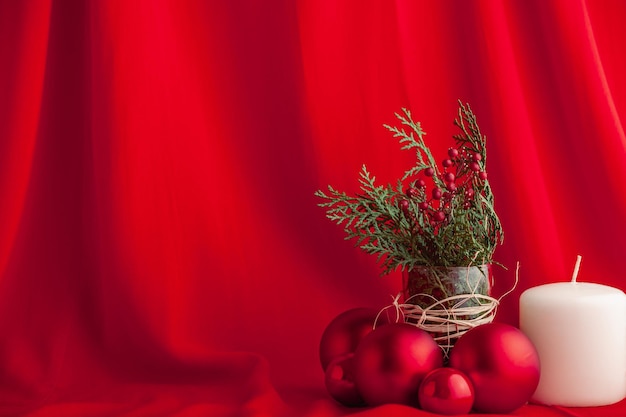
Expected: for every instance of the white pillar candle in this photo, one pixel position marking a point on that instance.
(579, 330)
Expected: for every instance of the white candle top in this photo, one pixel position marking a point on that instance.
(571, 290)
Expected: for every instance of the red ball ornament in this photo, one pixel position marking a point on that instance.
(340, 381)
(446, 391)
(502, 364)
(391, 362)
(344, 332)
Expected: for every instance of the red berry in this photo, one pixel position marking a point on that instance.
(423, 205)
(437, 193)
(412, 192)
(420, 183)
(482, 175)
(439, 216)
(449, 177)
(429, 172)
(451, 186)
(477, 157)
(474, 166)
(453, 152)
(447, 163)
(404, 205)
(469, 193)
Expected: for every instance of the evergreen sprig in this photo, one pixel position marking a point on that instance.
(405, 226)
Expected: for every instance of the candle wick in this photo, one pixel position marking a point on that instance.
(576, 268)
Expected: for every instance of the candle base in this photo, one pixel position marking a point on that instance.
(567, 401)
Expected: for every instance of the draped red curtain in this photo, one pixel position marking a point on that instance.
(161, 250)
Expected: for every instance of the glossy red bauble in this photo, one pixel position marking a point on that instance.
(446, 391)
(340, 381)
(344, 332)
(502, 364)
(391, 362)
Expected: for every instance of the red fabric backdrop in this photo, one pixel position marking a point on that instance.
(161, 251)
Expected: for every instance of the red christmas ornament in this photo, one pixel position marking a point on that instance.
(340, 381)
(344, 332)
(446, 391)
(502, 364)
(391, 362)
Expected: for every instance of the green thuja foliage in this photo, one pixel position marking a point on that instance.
(436, 215)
